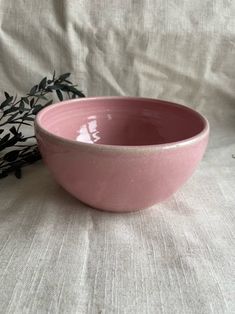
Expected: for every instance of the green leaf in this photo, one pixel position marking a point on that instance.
(67, 81)
(48, 103)
(48, 89)
(13, 117)
(43, 83)
(4, 139)
(25, 99)
(6, 95)
(75, 91)
(59, 94)
(13, 130)
(37, 108)
(12, 109)
(28, 119)
(21, 107)
(6, 102)
(23, 113)
(11, 156)
(31, 102)
(55, 87)
(64, 76)
(33, 90)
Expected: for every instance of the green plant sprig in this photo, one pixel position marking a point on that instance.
(15, 150)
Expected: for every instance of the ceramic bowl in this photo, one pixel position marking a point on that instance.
(121, 153)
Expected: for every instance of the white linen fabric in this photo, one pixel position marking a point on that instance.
(60, 256)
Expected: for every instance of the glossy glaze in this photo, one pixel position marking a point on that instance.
(128, 123)
(121, 153)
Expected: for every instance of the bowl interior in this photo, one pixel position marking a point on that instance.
(121, 121)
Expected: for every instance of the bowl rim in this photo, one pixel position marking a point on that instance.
(106, 147)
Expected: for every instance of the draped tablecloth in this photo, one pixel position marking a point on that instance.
(60, 256)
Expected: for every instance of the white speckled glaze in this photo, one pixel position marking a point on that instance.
(121, 153)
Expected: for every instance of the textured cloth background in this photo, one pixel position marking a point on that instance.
(59, 256)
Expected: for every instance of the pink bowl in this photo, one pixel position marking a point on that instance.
(121, 153)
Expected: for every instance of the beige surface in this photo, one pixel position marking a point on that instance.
(58, 256)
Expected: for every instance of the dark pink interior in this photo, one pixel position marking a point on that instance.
(121, 121)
